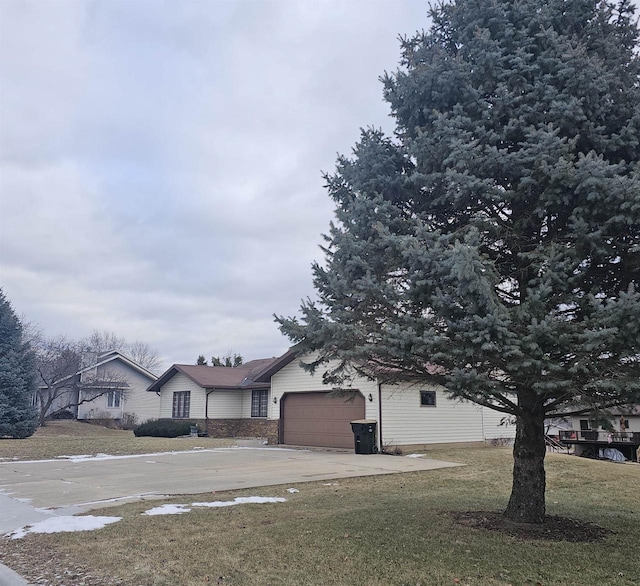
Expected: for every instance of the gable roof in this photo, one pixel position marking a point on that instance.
(107, 357)
(246, 376)
(276, 365)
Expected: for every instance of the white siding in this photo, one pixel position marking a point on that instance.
(406, 422)
(294, 379)
(491, 421)
(225, 405)
(180, 382)
(137, 400)
(246, 405)
(634, 422)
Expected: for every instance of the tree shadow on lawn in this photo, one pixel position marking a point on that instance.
(553, 529)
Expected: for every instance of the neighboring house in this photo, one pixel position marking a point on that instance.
(107, 386)
(130, 402)
(618, 429)
(229, 401)
(277, 399)
(630, 415)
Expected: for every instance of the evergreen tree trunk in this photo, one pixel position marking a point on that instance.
(527, 504)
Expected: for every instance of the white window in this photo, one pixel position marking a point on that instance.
(259, 403)
(181, 404)
(113, 399)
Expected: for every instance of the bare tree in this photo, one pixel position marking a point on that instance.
(144, 355)
(68, 377)
(140, 352)
(104, 341)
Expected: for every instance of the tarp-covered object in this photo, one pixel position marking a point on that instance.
(611, 454)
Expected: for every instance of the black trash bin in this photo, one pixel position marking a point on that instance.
(364, 436)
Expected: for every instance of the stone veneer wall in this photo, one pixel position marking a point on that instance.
(263, 428)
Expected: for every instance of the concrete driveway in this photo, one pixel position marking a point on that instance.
(30, 490)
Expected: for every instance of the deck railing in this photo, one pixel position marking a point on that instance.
(555, 446)
(592, 435)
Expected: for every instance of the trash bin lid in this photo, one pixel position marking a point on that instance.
(365, 421)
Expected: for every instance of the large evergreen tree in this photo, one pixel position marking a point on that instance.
(497, 234)
(17, 376)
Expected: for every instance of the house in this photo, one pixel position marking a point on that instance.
(108, 385)
(619, 428)
(279, 400)
(127, 400)
(611, 422)
(227, 401)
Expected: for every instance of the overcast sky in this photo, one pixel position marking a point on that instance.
(160, 162)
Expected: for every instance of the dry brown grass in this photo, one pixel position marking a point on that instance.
(386, 530)
(72, 438)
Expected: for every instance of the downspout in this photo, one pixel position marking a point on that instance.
(206, 410)
(380, 418)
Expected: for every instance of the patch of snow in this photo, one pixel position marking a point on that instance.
(168, 510)
(123, 498)
(82, 458)
(101, 457)
(414, 456)
(64, 525)
(330, 484)
(252, 448)
(24, 500)
(241, 500)
(292, 490)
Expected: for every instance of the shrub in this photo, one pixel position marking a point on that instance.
(102, 418)
(62, 414)
(129, 421)
(163, 428)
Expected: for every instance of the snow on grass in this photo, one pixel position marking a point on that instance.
(167, 510)
(64, 524)
(241, 500)
(101, 457)
(414, 456)
(236, 448)
(292, 490)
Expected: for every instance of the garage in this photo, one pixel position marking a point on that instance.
(319, 419)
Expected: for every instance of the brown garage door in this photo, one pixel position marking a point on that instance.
(317, 419)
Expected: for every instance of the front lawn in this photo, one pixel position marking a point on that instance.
(387, 530)
(72, 438)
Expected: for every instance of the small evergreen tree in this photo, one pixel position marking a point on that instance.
(202, 361)
(17, 376)
(498, 234)
(230, 360)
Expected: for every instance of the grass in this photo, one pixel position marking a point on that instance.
(374, 531)
(72, 438)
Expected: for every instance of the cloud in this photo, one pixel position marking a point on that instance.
(160, 162)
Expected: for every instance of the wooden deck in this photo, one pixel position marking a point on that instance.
(587, 441)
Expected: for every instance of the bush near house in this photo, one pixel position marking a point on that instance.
(163, 428)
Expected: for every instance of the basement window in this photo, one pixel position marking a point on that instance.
(427, 398)
(259, 403)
